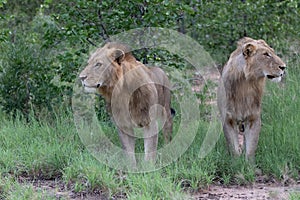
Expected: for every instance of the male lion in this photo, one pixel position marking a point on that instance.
(240, 93)
(135, 95)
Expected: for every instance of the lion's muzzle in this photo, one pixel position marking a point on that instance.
(277, 77)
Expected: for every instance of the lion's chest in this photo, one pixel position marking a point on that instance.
(243, 99)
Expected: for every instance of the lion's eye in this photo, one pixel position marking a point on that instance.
(267, 54)
(98, 64)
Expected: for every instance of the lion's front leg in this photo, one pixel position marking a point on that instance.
(150, 141)
(232, 139)
(128, 144)
(251, 138)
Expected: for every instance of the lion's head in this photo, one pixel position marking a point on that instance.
(104, 67)
(261, 60)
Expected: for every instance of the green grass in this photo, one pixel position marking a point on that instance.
(11, 189)
(54, 151)
(279, 141)
(294, 196)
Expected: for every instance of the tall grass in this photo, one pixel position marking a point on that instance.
(53, 151)
(279, 145)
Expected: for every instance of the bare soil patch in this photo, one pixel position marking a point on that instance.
(258, 191)
(59, 190)
(255, 192)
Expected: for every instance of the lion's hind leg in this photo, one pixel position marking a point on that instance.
(168, 127)
(150, 141)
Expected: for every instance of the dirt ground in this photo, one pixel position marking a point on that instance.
(258, 191)
(255, 192)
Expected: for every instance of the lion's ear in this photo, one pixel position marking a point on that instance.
(118, 56)
(249, 50)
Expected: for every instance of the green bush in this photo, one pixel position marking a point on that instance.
(44, 43)
(26, 75)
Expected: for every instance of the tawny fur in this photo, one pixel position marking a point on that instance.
(240, 93)
(130, 90)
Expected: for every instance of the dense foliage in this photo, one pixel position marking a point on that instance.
(44, 42)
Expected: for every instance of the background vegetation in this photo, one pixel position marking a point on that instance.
(44, 43)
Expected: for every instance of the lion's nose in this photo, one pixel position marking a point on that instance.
(82, 77)
(282, 67)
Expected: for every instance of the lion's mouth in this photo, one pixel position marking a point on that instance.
(89, 89)
(274, 78)
(271, 76)
(90, 86)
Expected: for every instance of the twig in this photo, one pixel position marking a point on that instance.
(84, 21)
(91, 42)
(105, 36)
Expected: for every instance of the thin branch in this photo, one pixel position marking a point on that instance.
(91, 42)
(84, 21)
(105, 36)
